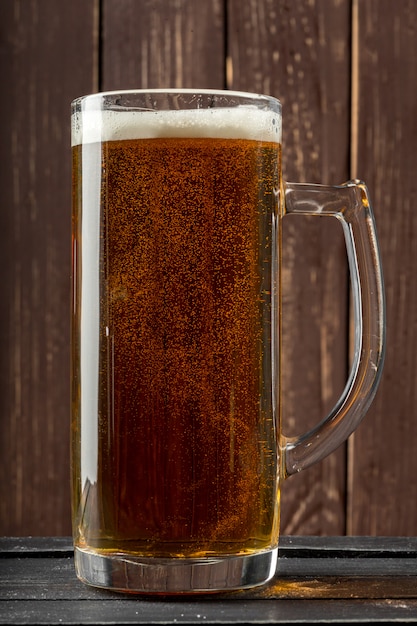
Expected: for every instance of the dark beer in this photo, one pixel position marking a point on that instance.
(173, 388)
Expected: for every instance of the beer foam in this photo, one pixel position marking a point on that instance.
(241, 122)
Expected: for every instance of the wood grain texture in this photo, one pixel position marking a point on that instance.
(299, 52)
(306, 54)
(46, 61)
(383, 486)
(162, 44)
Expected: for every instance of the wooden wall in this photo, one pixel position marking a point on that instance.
(346, 73)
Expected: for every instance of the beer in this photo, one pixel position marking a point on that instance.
(174, 430)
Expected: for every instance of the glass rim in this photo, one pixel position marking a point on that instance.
(224, 93)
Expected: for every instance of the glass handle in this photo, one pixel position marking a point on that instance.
(350, 204)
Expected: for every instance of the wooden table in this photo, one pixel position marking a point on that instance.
(319, 579)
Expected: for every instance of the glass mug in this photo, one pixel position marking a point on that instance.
(177, 449)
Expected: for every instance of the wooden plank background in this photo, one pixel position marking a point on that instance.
(346, 72)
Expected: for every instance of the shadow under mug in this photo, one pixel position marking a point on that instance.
(177, 449)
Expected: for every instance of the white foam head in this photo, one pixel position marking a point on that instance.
(241, 122)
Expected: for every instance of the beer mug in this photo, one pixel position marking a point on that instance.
(177, 449)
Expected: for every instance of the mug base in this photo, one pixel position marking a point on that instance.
(133, 574)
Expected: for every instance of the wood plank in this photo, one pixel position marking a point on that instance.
(46, 61)
(55, 579)
(299, 52)
(162, 44)
(346, 547)
(34, 546)
(260, 612)
(383, 490)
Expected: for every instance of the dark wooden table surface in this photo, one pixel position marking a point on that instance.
(318, 579)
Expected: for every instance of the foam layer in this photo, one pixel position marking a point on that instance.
(242, 122)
